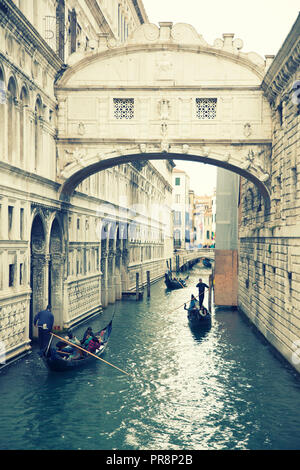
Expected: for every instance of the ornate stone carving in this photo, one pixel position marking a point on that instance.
(81, 128)
(164, 108)
(12, 326)
(68, 157)
(164, 146)
(164, 67)
(247, 129)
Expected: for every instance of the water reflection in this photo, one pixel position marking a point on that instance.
(200, 332)
(210, 388)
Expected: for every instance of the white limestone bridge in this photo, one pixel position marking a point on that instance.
(165, 94)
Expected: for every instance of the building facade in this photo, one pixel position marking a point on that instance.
(181, 209)
(226, 252)
(269, 244)
(204, 220)
(82, 255)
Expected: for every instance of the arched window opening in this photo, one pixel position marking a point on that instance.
(37, 133)
(11, 118)
(23, 106)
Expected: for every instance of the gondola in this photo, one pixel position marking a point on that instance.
(198, 317)
(59, 364)
(206, 262)
(173, 283)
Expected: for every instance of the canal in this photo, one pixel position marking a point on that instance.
(219, 389)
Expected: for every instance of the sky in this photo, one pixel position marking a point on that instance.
(263, 25)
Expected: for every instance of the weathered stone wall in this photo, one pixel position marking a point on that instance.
(269, 252)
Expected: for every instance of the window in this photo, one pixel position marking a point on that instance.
(21, 274)
(177, 218)
(177, 198)
(11, 275)
(177, 181)
(22, 223)
(206, 108)
(124, 108)
(10, 220)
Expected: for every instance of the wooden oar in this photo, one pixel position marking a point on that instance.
(171, 311)
(88, 352)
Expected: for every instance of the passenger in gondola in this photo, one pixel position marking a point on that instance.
(87, 340)
(204, 311)
(94, 344)
(192, 310)
(87, 334)
(193, 303)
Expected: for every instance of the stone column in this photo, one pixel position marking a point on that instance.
(123, 268)
(118, 276)
(104, 283)
(111, 278)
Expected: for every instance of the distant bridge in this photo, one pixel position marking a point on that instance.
(184, 259)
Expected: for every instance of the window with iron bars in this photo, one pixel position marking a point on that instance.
(124, 108)
(206, 108)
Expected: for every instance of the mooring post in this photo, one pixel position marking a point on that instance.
(209, 292)
(137, 286)
(148, 283)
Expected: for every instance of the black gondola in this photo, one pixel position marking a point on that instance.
(206, 262)
(61, 364)
(173, 283)
(198, 317)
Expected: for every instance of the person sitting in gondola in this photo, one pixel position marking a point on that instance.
(87, 334)
(93, 344)
(193, 303)
(192, 310)
(87, 340)
(203, 311)
(65, 347)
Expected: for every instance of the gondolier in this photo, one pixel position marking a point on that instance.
(201, 289)
(44, 321)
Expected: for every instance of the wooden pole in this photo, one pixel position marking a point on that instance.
(137, 285)
(148, 283)
(88, 352)
(209, 293)
(171, 311)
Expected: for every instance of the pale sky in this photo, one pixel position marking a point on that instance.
(263, 26)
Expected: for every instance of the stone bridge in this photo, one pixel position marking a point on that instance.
(165, 94)
(183, 259)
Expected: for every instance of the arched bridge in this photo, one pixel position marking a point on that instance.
(165, 94)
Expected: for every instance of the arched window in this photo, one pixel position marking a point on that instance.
(11, 119)
(23, 124)
(37, 133)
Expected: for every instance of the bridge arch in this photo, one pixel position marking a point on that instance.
(81, 173)
(165, 94)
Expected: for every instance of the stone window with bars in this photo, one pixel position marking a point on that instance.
(123, 108)
(206, 108)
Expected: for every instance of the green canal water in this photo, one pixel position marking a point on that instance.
(221, 388)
